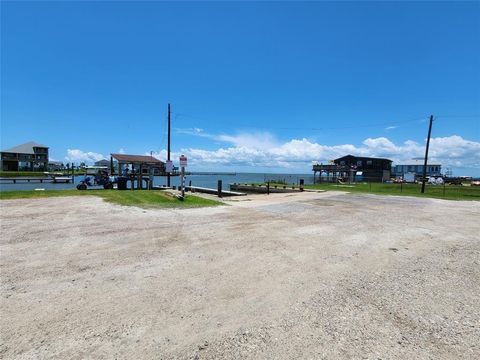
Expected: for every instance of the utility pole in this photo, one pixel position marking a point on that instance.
(168, 146)
(426, 154)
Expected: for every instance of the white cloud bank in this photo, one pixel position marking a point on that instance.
(88, 157)
(263, 150)
(260, 151)
(76, 155)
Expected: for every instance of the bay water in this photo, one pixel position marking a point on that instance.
(207, 181)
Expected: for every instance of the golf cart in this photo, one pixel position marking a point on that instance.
(96, 176)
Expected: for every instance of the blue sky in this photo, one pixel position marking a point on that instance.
(269, 86)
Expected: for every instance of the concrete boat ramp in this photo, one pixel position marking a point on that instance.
(213, 191)
(204, 190)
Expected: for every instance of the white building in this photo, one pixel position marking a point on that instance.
(416, 167)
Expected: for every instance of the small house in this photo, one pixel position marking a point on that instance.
(30, 156)
(415, 168)
(103, 162)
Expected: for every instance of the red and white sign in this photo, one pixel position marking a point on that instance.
(183, 160)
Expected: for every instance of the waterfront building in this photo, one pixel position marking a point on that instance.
(141, 167)
(103, 162)
(30, 156)
(55, 166)
(415, 168)
(354, 168)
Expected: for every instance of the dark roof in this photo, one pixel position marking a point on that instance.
(361, 157)
(26, 148)
(137, 159)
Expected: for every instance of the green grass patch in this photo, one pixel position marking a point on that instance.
(139, 198)
(449, 192)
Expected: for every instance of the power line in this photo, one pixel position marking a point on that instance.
(347, 127)
(390, 123)
(458, 116)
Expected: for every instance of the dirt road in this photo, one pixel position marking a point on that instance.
(285, 276)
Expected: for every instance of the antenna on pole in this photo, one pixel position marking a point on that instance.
(426, 155)
(168, 146)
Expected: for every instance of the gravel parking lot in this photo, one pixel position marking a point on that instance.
(285, 276)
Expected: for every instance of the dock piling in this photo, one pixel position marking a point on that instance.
(219, 188)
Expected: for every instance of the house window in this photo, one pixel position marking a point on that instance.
(342, 162)
(369, 162)
(359, 163)
(8, 156)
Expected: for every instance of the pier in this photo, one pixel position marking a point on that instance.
(210, 173)
(36, 179)
(63, 179)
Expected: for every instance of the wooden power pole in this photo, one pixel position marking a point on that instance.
(424, 178)
(168, 145)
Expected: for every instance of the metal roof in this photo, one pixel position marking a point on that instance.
(26, 148)
(136, 159)
(361, 157)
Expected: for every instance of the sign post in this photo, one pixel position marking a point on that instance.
(169, 166)
(183, 164)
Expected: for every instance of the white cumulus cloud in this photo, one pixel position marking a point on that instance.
(76, 155)
(262, 150)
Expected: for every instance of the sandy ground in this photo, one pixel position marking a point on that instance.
(285, 276)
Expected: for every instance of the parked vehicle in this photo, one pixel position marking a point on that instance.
(99, 178)
(454, 181)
